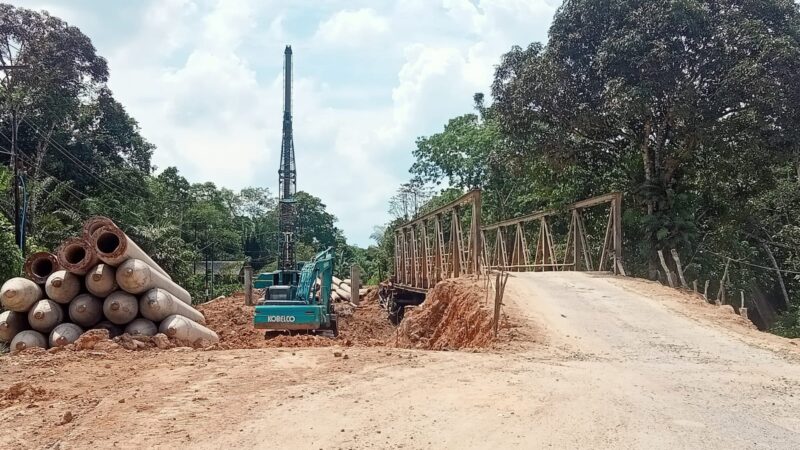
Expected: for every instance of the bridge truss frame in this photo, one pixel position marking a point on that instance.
(577, 252)
(424, 250)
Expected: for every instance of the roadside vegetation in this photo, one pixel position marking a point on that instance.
(688, 107)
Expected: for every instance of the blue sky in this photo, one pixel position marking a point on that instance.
(203, 78)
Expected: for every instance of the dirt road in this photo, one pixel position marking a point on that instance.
(614, 363)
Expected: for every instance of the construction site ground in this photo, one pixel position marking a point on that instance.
(597, 362)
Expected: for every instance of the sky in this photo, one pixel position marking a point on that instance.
(203, 78)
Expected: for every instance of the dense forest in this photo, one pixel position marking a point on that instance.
(80, 154)
(688, 107)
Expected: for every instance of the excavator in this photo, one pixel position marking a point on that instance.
(297, 296)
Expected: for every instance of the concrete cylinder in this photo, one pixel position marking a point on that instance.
(101, 280)
(187, 330)
(141, 327)
(11, 323)
(65, 334)
(28, 339)
(156, 304)
(86, 310)
(19, 294)
(62, 286)
(114, 247)
(93, 224)
(137, 277)
(45, 315)
(77, 255)
(113, 330)
(40, 265)
(120, 307)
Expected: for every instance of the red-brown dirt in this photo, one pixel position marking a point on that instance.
(365, 325)
(452, 317)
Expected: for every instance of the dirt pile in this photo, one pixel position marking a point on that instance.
(365, 325)
(452, 317)
(22, 392)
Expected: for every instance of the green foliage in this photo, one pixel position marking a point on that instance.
(81, 154)
(688, 107)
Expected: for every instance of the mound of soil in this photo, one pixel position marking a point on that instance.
(22, 392)
(365, 325)
(452, 317)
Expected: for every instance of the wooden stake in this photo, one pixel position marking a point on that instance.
(705, 290)
(666, 269)
(694, 285)
(496, 319)
(680, 268)
(500, 290)
(248, 284)
(721, 292)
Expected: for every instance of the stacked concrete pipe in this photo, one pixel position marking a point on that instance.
(40, 265)
(99, 280)
(77, 255)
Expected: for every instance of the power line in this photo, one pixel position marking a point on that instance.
(747, 263)
(119, 190)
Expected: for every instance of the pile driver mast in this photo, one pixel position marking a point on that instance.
(294, 299)
(287, 174)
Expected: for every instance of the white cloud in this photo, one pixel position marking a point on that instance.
(204, 80)
(352, 28)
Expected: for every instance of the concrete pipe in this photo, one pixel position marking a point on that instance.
(40, 265)
(19, 294)
(113, 330)
(114, 247)
(137, 277)
(65, 334)
(77, 255)
(45, 315)
(62, 286)
(187, 330)
(120, 307)
(342, 293)
(86, 310)
(101, 280)
(11, 323)
(93, 224)
(28, 339)
(141, 327)
(156, 304)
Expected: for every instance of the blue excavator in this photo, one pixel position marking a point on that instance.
(297, 296)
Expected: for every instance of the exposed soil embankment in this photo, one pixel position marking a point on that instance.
(453, 316)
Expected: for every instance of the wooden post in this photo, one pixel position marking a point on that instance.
(499, 290)
(742, 309)
(666, 269)
(248, 284)
(705, 290)
(617, 207)
(496, 318)
(721, 292)
(694, 285)
(680, 268)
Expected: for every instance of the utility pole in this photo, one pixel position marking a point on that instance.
(19, 232)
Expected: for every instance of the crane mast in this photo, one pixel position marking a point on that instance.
(287, 174)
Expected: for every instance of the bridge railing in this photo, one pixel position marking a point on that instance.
(506, 246)
(444, 243)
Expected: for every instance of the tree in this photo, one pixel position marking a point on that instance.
(665, 94)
